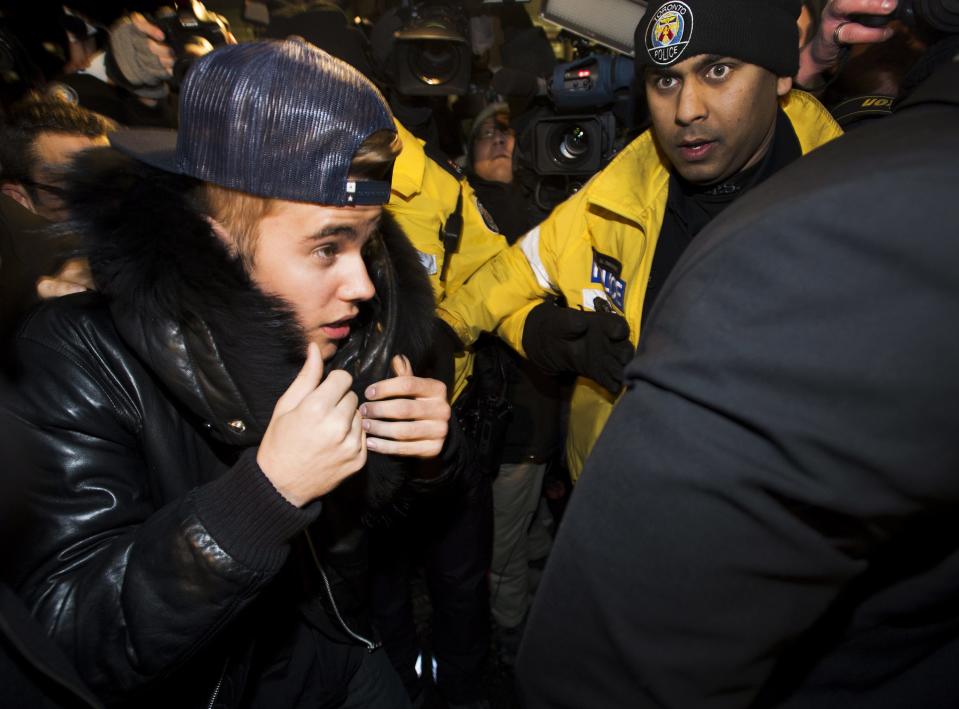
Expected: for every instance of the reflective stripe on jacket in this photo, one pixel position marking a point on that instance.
(598, 244)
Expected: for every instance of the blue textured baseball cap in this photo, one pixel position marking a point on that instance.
(278, 119)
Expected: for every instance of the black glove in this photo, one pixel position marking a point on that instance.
(591, 344)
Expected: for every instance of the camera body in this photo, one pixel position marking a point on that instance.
(577, 137)
(185, 23)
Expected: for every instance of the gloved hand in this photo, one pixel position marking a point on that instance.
(591, 344)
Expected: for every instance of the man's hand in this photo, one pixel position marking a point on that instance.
(406, 415)
(315, 439)
(591, 344)
(155, 42)
(836, 29)
(73, 277)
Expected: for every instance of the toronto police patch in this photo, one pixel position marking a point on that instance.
(607, 272)
(669, 32)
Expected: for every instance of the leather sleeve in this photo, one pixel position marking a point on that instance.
(127, 576)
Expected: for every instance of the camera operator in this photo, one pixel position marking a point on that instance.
(723, 120)
(769, 519)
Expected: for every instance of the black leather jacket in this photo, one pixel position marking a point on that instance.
(160, 558)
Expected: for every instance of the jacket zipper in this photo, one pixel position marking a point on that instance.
(371, 646)
(219, 684)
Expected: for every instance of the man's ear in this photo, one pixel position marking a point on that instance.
(784, 85)
(19, 194)
(222, 234)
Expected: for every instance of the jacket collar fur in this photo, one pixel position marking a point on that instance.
(224, 349)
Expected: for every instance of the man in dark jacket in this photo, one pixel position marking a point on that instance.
(198, 520)
(770, 517)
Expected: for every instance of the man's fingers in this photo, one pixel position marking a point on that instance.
(406, 430)
(406, 409)
(49, 287)
(616, 327)
(842, 8)
(402, 366)
(305, 382)
(147, 28)
(409, 449)
(406, 387)
(854, 33)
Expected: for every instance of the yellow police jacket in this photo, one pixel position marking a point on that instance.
(598, 244)
(424, 195)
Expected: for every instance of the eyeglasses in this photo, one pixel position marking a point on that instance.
(59, 192)
(491, 132)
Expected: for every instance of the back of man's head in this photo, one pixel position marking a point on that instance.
(28, 119)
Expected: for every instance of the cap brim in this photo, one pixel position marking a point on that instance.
(154, 146)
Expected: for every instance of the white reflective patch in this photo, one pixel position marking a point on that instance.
(590, 296)
(530, 246)
(429, 263)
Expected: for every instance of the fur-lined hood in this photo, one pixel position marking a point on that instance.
(188, 309)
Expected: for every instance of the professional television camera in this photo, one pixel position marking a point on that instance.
(425, 48)
(584, 112)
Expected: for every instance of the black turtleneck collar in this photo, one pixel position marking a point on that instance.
(690, 207)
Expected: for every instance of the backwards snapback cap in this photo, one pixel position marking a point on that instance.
(761, 32)
(278, 119)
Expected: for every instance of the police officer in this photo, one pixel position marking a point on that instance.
(724, 118)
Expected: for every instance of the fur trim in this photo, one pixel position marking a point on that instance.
(186, 306)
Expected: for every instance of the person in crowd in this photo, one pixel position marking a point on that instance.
(723, 120)
(769, 518)
(211, 431)
(523, 440)
(38, 139)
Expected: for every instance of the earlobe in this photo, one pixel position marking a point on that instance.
(19, 195)
(222, 234)
(784, 85)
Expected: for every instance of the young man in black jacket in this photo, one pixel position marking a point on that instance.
(199, 493)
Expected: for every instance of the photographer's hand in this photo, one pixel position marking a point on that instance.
(155, 43)
(406, 415)
(837, 29)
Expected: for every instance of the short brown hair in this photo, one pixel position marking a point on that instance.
(240, 213)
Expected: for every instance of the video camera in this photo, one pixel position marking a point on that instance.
(576, 135)
(564, 144)
(432, 52)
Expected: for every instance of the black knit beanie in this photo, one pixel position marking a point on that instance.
(761, 32)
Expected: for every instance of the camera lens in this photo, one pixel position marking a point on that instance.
(569, 145)
(435, 62)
